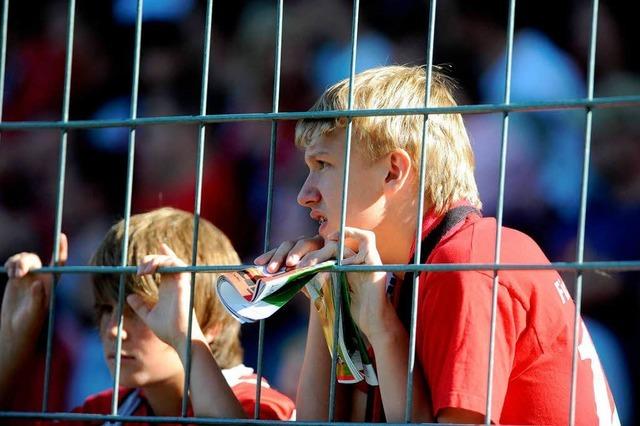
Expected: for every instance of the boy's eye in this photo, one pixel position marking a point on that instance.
(321, 164)
(104, 309)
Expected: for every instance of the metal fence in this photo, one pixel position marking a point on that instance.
(506, 108)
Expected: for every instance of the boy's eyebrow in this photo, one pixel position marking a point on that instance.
(316, 153)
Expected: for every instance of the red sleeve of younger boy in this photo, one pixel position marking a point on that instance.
(273, 404)
(453, 339)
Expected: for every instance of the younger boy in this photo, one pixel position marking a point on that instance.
(154, 332)
(534, 323)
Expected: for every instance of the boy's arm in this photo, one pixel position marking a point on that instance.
(312, 398)
(378, 320)
(210, 393)
(24, 308)
(391, 349)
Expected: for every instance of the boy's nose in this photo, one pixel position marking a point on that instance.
(308, 194)
(112, 328)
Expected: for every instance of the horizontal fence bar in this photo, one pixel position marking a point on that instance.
(596, 103)
(619, 266)
(80, 417)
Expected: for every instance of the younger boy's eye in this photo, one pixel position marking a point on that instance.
(321, 164)
(103, 309)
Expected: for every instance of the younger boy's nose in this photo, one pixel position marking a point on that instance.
(112, 328)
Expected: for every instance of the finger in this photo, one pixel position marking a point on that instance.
(367, 250)
(11, 265)
(147, 258)
(366, 245)
(8, 265)
(63, 249)
(264, 257)
(348, 253)
(354, 233)
(22, 263)
(328, 251)
(10, 268)
(167, 250)
(303, 247)
(279, 256)
(138, 305)
(144, 263)
(153, 263)
(355, 259)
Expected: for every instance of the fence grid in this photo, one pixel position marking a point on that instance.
(64, 125)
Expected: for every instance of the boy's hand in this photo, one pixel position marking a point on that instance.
(369, 304)
(169, 317)
(370, 307)
(289, 253)
(301, 253)
(26, 297)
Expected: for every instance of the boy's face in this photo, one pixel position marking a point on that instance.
(145, 359)
(322, 191)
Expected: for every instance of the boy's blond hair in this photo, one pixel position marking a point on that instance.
(147, 231)
(449, 163)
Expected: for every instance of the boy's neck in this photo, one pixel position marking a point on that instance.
(165, 398)
(396, 234)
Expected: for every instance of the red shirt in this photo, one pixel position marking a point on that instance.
(273, 404)
(534, 334)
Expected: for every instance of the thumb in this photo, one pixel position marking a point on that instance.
(139, 306)
(333, 236)
(63, 249)
(167, 250)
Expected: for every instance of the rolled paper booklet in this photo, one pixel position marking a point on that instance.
(254, 294)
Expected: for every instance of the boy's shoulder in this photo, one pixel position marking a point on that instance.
(100, 403)
(274, 405)
(474, 242)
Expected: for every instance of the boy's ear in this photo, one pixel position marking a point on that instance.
(398, 169)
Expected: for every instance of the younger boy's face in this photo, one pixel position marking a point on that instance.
(322, 190)
(145, 359)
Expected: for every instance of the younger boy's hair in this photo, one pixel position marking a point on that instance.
(449, 163)
(147, 231)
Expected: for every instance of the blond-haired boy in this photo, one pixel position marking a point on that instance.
(154, 333)
(534, 334)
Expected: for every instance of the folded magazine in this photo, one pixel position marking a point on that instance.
(254, 294)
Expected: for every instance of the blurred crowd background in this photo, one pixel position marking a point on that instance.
(544, 163)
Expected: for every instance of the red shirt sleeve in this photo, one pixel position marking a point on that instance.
(273, 404)
(453, 339)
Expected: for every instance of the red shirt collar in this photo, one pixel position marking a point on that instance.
(430, 221)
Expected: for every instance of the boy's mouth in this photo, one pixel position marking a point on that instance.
(322, 225)
(316, 215)
(112, 357)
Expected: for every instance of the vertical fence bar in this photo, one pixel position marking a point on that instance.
(127, 207)
(500, 210)
(3, 52)
(206, 55)
(583, 211)
(62, 154)
(418, 246)
(343, 211)
(272, 165)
